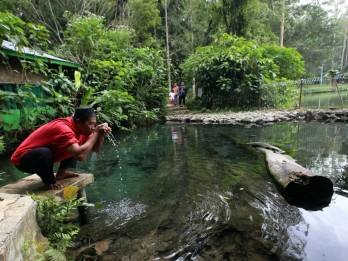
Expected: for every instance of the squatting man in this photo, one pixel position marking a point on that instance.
(64, 140)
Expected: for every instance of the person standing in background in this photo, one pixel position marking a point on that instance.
(176, 94)
(182, 94)
(172, 97)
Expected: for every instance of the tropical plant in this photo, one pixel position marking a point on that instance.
(289, 61)
(122, 82)
(61, 93)
(11, 28)
(20, 33)
(52, 216)
(282, 95)
(229, 72)
(2, 144)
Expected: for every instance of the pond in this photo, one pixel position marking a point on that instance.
(325, 100)
(198, 192)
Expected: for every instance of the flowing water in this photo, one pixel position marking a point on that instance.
(197, 192)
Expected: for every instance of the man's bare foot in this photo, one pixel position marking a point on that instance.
(64, 174)
(54, 186)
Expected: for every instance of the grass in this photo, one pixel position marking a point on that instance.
(307, 89)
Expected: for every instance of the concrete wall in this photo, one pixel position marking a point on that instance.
(20, 236)
(12, 72)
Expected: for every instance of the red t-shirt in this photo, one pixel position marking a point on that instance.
(56, 135)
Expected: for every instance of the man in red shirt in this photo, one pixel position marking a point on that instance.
(64, 140)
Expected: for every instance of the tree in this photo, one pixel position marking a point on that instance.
(167, 46)
(51, 13)
(191, 24)
(143, 18)
(344, 56)
(282, 24)
(289, 61)
(229, 72)
(21, 34)
(235, 17)
(312, 32)
(127, 82)
(81, 38)
(232, 71)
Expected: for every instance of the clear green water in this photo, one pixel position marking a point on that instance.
(195, 192)
(325, 100)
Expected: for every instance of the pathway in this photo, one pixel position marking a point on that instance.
(260, 117)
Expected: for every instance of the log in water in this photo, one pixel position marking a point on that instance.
(299, 185)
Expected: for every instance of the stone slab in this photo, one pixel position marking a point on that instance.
(33, 185)
(19, 233)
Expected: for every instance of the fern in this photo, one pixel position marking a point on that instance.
(52, 216)
(55, 255)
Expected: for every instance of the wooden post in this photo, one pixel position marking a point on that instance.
(338, 91)
(300, 101)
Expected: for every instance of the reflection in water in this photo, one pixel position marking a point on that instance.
(278, 218)
(207, 197)
(325, 100)
(326, 229)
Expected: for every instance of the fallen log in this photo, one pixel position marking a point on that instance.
(299, 185)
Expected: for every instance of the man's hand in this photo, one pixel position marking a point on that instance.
(103, 128)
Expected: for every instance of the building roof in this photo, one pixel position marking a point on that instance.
(25, 52)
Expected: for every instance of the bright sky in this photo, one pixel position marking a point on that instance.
(335, 6)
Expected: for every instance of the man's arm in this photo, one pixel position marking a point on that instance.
(98, 143)
(81, 152)
(93, 144)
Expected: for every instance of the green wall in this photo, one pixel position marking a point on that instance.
(20, 111)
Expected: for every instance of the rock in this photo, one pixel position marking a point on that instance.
(261, 117)
(20, 237)
(95, 249)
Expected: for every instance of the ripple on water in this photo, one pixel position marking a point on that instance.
(117, 214)
(201, 223)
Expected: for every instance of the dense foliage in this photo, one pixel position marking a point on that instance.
(124, 82)
(53, 219)
(22, 33)
(127, 48)
(232, 71)
(2, 145)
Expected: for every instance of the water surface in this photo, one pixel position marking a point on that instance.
(197, 192)
(325, 100)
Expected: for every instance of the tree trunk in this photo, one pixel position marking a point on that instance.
(282, 24)
(167, 45)
(344, 58)
(298, 184)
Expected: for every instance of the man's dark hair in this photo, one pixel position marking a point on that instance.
(84, 113)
